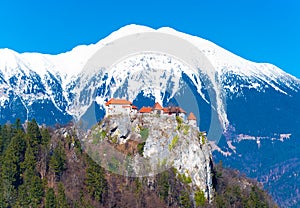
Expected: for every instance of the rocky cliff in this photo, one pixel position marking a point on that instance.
(144, 145)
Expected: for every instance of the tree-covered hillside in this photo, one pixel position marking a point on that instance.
(43, 167)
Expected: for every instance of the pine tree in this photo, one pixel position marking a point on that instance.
(50, 199)
(7, 133)
(57, 160)
(18, 125)
(45, 136)
(31, 191)
(43, 158)
(1, 146)
(11, 169)
(95, 181)
(34, 135)
(61, 196)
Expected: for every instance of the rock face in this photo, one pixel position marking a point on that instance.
(144, 145)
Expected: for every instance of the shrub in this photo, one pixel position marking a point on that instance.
(144, 132)
(199, 198)
(103, 134)
(173, 142)
(185, 200)
(201, 137)
(163, 185)
(184, 179)
(179, 120)
(186, 129)
(140, 148)
(203, 140)
(114, 139)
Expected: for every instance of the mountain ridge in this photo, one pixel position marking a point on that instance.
(66, 67)
(132, 29)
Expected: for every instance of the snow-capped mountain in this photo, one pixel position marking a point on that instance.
(245, 99)
(33, 76)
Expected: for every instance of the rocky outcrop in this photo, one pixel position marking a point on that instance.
(145, 145)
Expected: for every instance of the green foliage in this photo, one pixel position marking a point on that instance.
(163, 185)
(103, 134)
(199, 198)
(95, 181)
(186, 129)
(114, 139)
(34, 135)
(179, 120)
(82, 202)
(26, 157)
(21, 155)
(203, 140)
(179, 123)
(7, 133)
(232, 191)
(96, 140)
(140, 148)
(138, 185)
(185, 200)
(30, 160)
(202, 137)
(144, 132)
(45, 136)
(163, 162)
(50, 199)
(61, 199)
(17, 125)
(11, 169)
(31, 191)
(185, 179)
(57, 160)
(255, 199)
(1, 146)
(100, 135)
(173, 142)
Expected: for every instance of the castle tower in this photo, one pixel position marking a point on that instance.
(157, 108)
(192, 120)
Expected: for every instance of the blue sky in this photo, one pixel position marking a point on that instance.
(262, 31)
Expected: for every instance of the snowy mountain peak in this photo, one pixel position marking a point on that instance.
(128, 30)
(57, 75)
(70, 64)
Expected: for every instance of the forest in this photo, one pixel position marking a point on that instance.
(47, 167)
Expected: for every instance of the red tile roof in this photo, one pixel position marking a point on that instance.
(134, 107)
(181, 110)
(166, 110)
(173, 109)
(118, 102)
(192, 116)
(145, 110)
(157, 106)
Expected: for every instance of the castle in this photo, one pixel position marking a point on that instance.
(120, 106)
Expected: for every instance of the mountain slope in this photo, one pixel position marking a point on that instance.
(231, 74)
